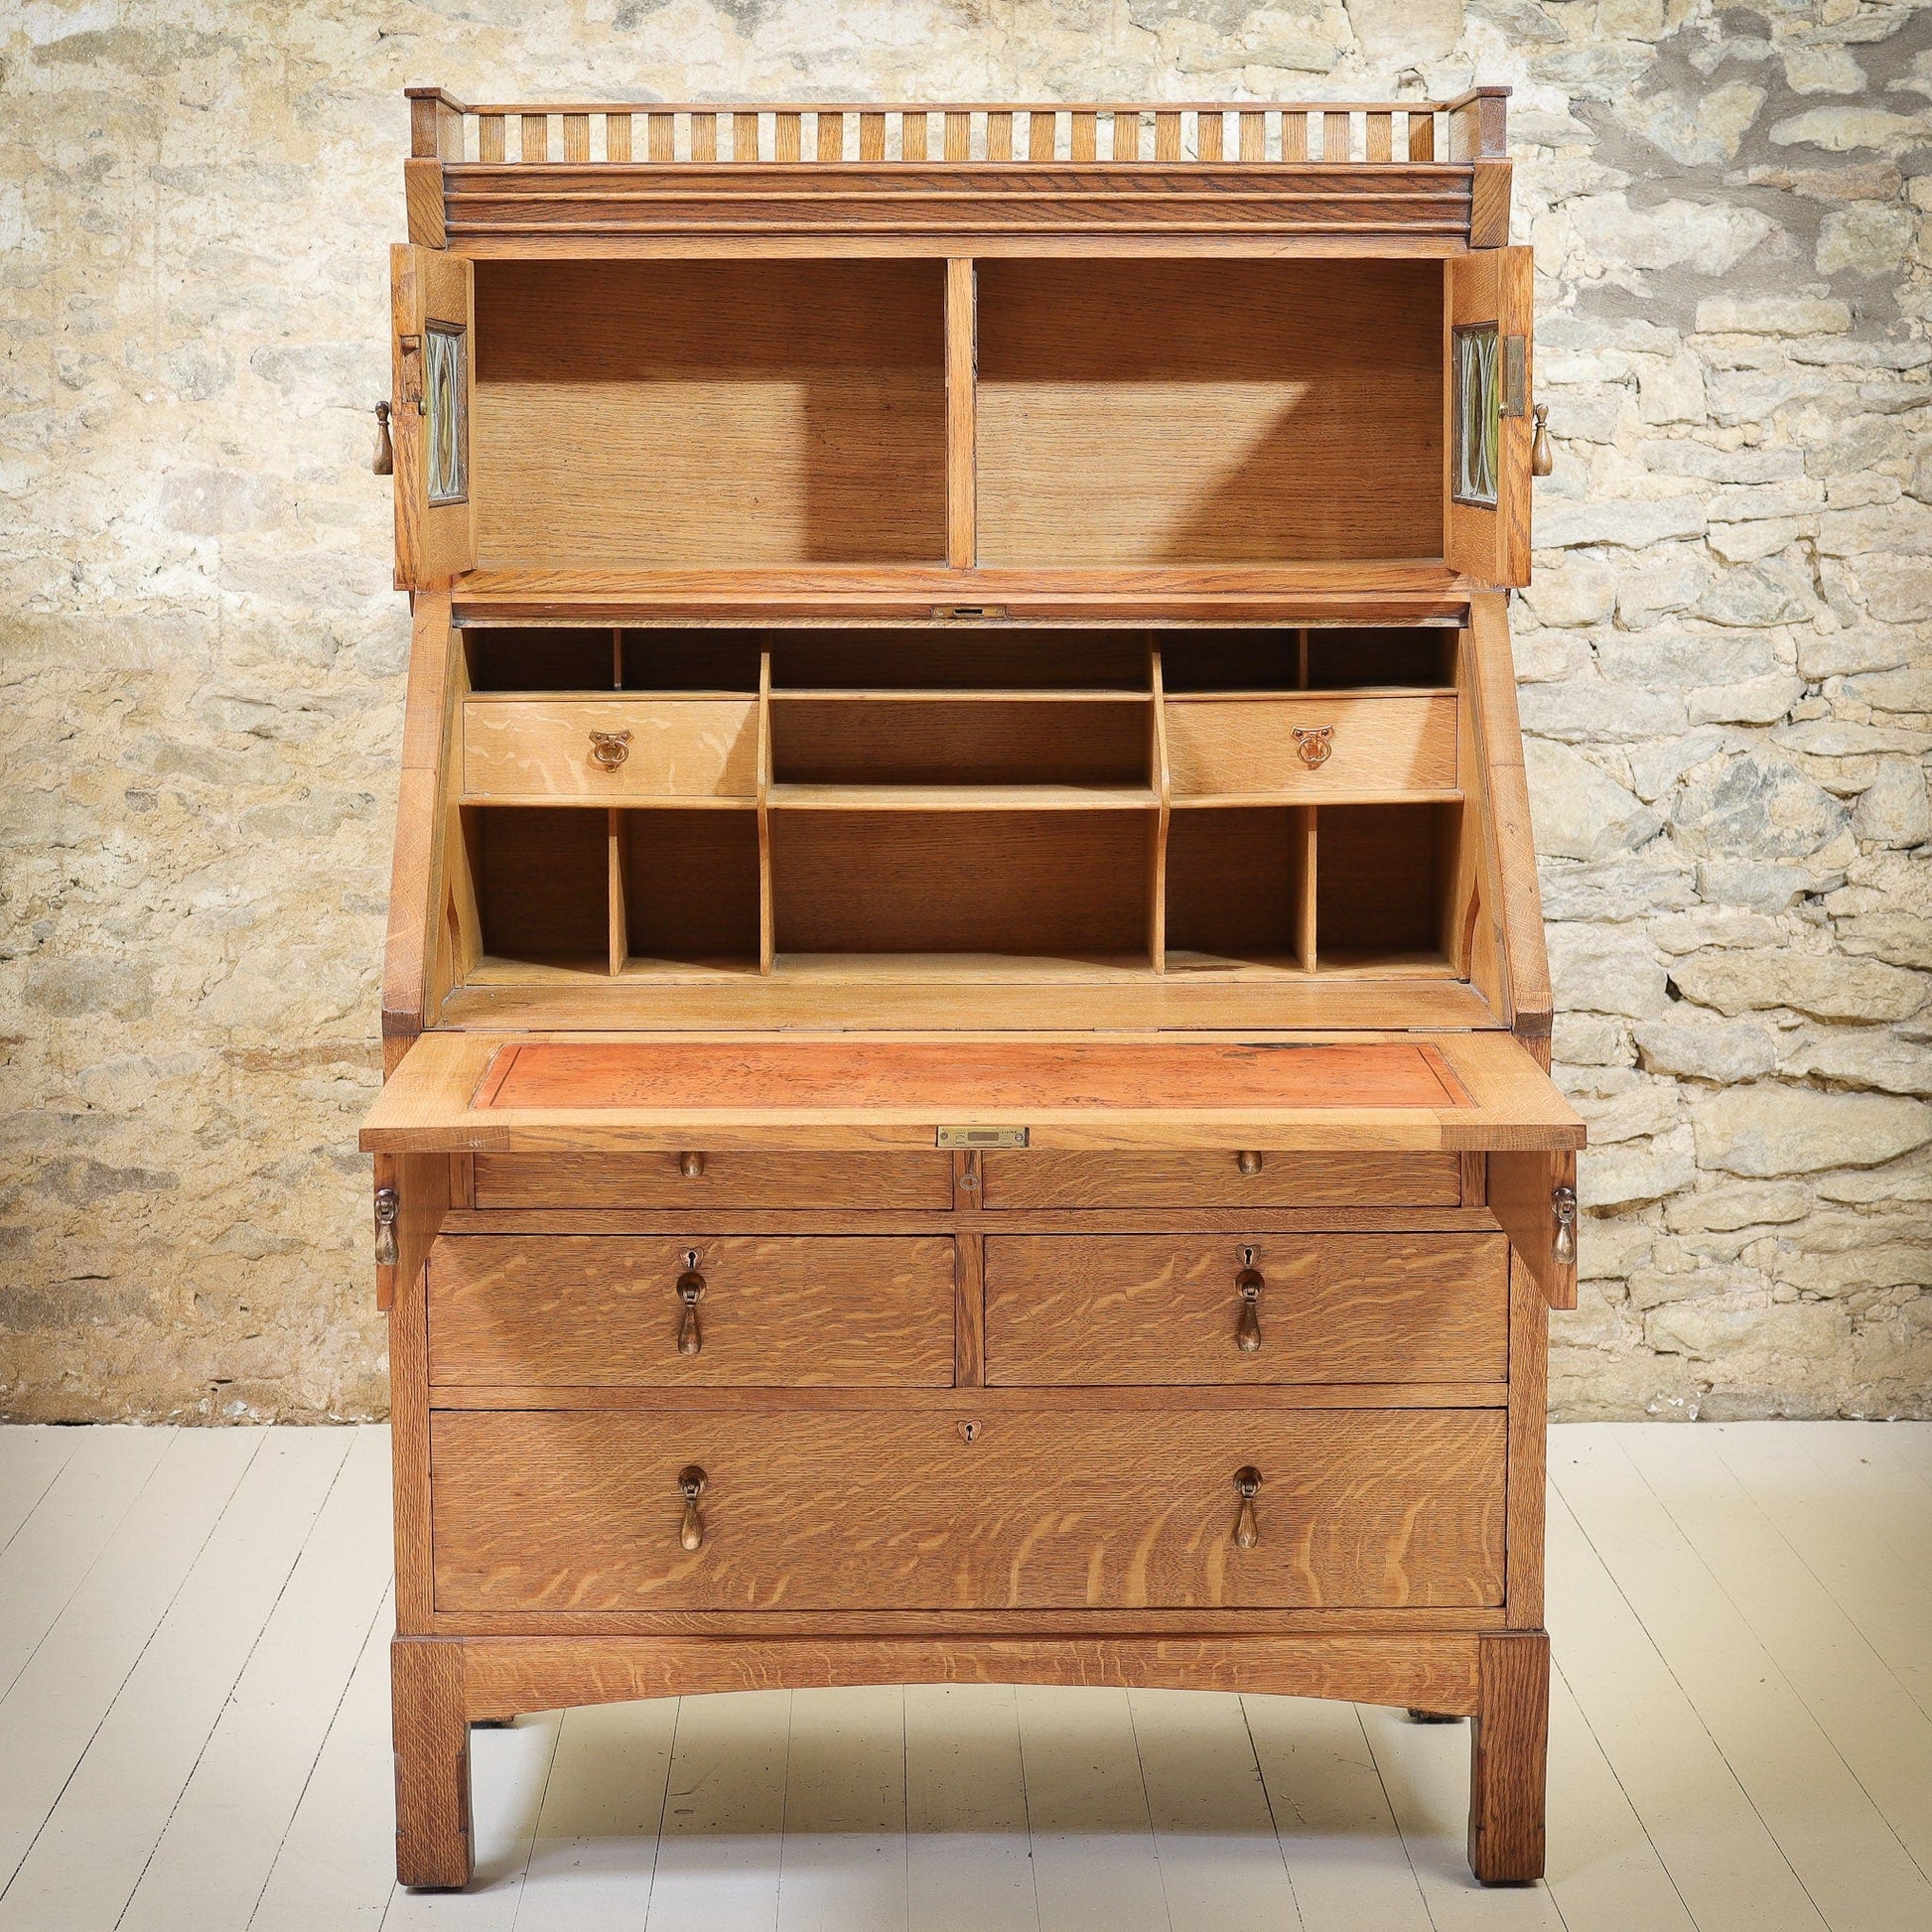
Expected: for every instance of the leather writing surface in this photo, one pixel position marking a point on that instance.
(966, 1077)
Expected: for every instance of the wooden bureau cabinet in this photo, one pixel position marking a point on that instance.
(966, 1019)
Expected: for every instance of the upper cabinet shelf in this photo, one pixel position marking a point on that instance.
(509, 177)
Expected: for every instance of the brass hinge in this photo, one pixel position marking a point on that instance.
(970, 1137)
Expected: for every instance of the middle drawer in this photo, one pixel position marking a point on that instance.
(607, 1310)
(1099, 1310)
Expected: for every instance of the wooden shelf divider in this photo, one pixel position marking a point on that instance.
(962, 403)
(768, 933)
(1157, 907)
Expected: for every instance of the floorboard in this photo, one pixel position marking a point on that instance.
(193, 1731)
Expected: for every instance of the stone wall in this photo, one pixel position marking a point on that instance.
(1724, 656)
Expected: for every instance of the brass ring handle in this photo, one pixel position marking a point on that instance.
(1249, 1162)
(1314, 744)
(1247, 1330)
(690, 1165)
(1247, 1532)
(608, 749)
(690, 1290)
(690, 1485)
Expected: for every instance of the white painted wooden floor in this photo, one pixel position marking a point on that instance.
(193, 1730)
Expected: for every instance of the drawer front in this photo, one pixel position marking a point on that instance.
(1310, 745)
(1101, 1310)
(827, 1510)
(725, 1180)
(613, 748)
(1049, 1179)
(609, 1311)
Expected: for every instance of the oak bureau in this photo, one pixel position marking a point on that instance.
(965, 1012)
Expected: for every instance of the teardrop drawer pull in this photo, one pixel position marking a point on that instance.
(691, 1166)
(1246, 1532)
(1248, 1161)
(1247, 1329)
(690, 1290)
(387, 1206)
(690, 1483)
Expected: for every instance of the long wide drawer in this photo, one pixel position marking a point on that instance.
(1180, 1309)
(733, 1177)
(1051, 1177)
(827, 1510)
(732, 1310)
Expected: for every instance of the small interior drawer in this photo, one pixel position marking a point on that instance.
(1312, 747)
(617, 747)
(896, 1509)
(1115, 1309)
(565, 1311)
(726, 1179)
(1049, 1178)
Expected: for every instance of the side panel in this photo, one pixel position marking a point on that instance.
(432, 401)
(1488, 380)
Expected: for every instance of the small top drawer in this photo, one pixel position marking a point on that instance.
(730, 1178)
(1311, 746)
(1181, 1310)
(617, 747)
(1047, 1178)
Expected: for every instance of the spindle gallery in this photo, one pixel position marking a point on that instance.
(966, 1014)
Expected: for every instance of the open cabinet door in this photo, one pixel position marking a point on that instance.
(430, 391)
(1486, 395)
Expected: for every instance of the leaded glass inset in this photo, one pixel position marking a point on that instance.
(1477, 415)
(446, 420)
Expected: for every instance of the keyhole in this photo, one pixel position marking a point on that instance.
(690, 1257)
(969, 1432)
(1248, 1257)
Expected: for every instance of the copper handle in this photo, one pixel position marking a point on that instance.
(387, 1207)
(690, 1165)
(1541, 457)
(383, 462)
(690, 1485)
(1246, 1532)
(1562, 1250)
(608, 749)
(1249, 1162)
(1314, 744)
(1247, 1330)
(690, 1290)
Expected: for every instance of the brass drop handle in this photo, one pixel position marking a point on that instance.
(1249, 1162)
(608, 749)
(690, 1485)
(690, 1165)
(1247, 1330)
(690, 1290)
(383, 462)
(1562, 1250)
(387, 1207)
(1246, 1533)
(1314, 744)
(1541, 457)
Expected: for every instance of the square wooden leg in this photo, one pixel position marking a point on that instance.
(432, 1739)
(1508, 1754)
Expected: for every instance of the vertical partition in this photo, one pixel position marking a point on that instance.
(962, 405)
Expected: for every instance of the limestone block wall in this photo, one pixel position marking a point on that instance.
(1726, 667)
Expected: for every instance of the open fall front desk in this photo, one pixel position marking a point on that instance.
(966, 1017)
